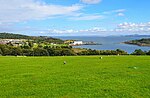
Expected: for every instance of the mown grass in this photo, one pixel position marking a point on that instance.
(80, 77)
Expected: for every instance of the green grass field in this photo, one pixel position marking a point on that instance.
(81, 77)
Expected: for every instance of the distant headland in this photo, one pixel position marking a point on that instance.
(139, 42)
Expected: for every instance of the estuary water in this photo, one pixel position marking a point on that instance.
(108, 43)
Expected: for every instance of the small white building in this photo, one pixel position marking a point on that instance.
(77, 43)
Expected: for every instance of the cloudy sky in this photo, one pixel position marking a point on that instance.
(75, 17)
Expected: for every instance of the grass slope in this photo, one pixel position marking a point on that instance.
(81, 77)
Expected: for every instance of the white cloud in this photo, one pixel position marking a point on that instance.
(57, 31)
(24, 10)
(91, 1)
(126, 25)
(115, 11)
(120, 14)
(122, 28)
(120, 10)
(134, 27)
(71, 31)
(88, 17)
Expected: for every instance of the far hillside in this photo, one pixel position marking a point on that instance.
(13, 36)
(34, 38)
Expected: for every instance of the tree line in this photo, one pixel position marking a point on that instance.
(113, 52)
(7, 50)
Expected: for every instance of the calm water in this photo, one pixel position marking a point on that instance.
(108, 43)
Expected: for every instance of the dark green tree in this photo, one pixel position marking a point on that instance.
(138, 52)
(40, 52)
(121, 52)
(6, 51)
(30, 43)
(51, 51)
(27, 52)
(57, 52)
(1, 53)
(16, 51)
(67, 52)
(148, 53)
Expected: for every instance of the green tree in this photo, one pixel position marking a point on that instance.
(1, 53)
(67, 52)
(25, 47)
(40, 52)
(30, 44)
(6, 51)
(138, 52)
(121, 52)
(148, 53)
(51, 51)
(57, 52)
(27, 52)
(16, 51)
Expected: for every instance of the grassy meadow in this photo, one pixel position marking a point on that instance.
(80, 77)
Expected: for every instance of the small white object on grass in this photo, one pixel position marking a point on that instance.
(65, 62)
(101, 57)
(135, 67)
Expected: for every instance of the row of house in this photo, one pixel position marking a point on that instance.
(14, 42)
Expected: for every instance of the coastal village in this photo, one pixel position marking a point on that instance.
(21, 42)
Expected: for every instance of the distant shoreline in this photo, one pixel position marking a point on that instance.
(85, 44)
(141, 42)
(138, 44)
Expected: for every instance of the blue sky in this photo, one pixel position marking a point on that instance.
(75, 17)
